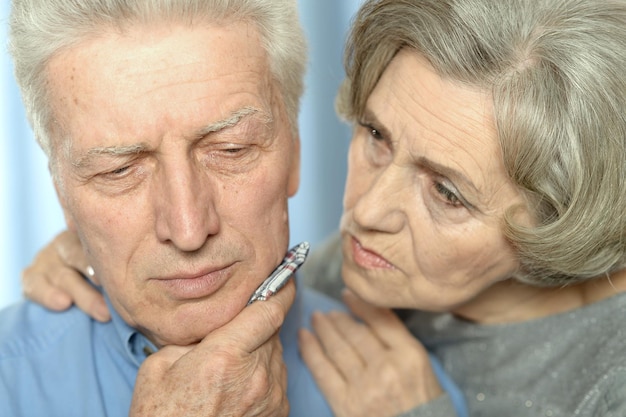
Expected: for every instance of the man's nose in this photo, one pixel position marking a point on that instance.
(186, 212)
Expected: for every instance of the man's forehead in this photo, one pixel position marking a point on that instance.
(135, 77)
(173, 44)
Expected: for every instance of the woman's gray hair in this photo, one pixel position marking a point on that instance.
(39, 29)
(555, 69)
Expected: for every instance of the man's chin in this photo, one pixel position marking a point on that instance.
(190, 338)
(191, 326)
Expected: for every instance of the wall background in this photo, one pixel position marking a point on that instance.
(30, 215)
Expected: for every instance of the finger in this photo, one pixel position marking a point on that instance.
(54, 284)
(383, 322)
(328, 378)
(70, 278)
(338, 350)
(262, 374)
(37, 287)
(170, 354)
(37, 280)
(278, 377)
(71, 252)
(256, 323)
(360, 336)
(160, 362)
(85, 296)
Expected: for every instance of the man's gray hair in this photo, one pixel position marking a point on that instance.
(39, 29)
(555, 69)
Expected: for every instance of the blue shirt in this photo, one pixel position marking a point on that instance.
(66, 364)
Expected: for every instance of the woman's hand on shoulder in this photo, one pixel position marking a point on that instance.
(57, 278)
(372, 367)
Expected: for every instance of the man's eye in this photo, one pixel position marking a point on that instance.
(116, 174)
(119, 171)
(233, 150)
(225, 149)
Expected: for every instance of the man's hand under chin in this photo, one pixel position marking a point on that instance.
(237, 370)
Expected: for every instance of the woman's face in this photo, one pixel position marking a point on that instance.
(426, 193)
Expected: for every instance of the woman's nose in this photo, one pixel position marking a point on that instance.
(380, 206)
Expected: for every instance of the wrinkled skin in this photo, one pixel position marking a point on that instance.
(175, 182)
(415, 234)
(235, 371)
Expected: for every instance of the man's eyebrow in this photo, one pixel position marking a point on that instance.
(125, 150)
(232, 120)
(121, 150)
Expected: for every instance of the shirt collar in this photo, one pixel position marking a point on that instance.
(135, 345)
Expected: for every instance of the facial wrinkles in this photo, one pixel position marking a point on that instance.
(246, 83)
(446, 130)
(444, 257)
(139, 88)
(446, 143)
(123, 123)
(164, 121)
(449, 124)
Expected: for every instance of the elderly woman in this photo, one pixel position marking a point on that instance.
(486, 185)
(485, 202)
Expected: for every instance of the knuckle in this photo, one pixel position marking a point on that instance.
(388, 374)
(260, 381)
(27, 277)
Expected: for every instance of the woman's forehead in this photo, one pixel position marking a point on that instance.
(439, 120)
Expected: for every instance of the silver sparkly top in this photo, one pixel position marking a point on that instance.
(565, 365)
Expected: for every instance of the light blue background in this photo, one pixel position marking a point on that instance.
(30, 214)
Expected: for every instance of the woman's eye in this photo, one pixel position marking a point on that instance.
(375, 133)
(449, 195)
(372, 131)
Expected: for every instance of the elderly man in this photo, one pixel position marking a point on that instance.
(170, 128)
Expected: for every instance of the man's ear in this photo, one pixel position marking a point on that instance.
(294, 169)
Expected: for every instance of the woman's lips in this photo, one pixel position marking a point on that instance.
(194, 287)
(368, 259)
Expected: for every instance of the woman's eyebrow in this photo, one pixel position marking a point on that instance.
(451, 173)
(370, 118)
(454, 175)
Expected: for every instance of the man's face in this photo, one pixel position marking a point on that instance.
(180, 164)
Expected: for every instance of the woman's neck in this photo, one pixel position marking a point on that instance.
(512, 301)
